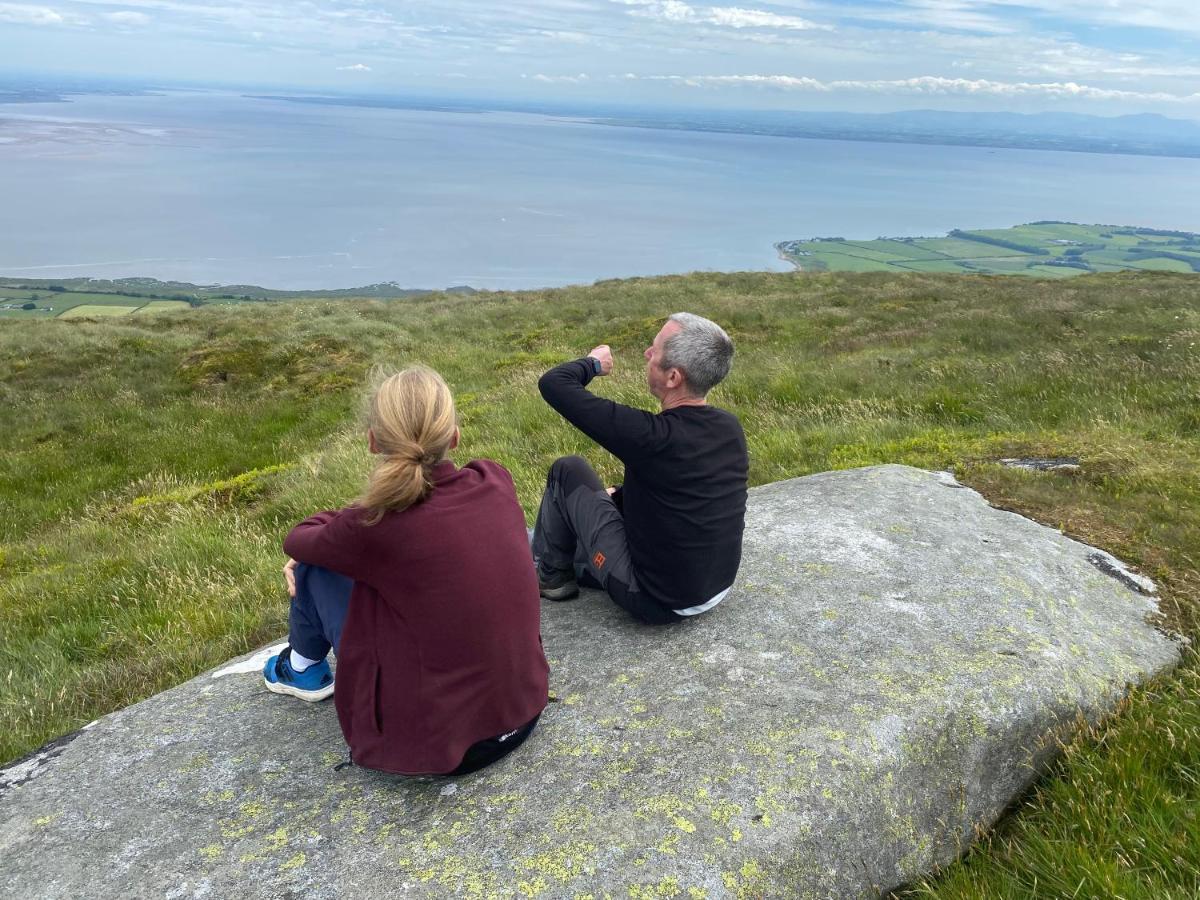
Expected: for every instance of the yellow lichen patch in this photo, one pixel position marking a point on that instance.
(212, 851)
(533, 888)
(645, 724)
(683, 824)
(723, 811)
(277, 839)
(667, 887)
(567, 820)
(294, 863)
(43, 821)
(572, 699)
(750, 881)
(669, 845)
(612, 774)
(199, 761)
(562, 862)
(252, 808)
(759, 748)
(768, 806)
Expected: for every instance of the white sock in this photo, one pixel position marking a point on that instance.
(300, 663)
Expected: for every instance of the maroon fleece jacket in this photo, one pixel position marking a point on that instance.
(441, 645)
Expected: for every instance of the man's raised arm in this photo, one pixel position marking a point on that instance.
(619, 429)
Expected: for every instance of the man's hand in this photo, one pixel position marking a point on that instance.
(289, 575)
(604, 354)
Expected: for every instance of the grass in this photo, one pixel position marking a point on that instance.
(96, 309)
(152, 464)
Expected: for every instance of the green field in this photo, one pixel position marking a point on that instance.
(150, 467)
(1037, 249)
(77, 304)
(90, 309)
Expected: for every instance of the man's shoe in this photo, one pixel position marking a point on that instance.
(313, 684)
(558, 587)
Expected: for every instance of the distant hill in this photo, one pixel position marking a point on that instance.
(1045, 249)
(1147, 134)
(73, 297)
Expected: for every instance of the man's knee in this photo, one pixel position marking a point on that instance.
(571, 472)
(568, 465)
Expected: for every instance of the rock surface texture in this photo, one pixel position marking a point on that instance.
(889, 673)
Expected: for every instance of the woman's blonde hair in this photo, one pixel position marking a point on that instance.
(412, 417)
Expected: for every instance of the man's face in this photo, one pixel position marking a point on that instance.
(656, 378)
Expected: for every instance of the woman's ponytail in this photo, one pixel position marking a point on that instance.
(411, 415)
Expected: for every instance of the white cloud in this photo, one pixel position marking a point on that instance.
(558, 79)
(22, 14)
(128, 17)
(736, 17)
(357, 67)
(929, 85)
(724, 16)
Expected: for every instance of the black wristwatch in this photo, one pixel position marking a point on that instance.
(597, 369)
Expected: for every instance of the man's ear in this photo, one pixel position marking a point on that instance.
(454, 440)
(371, 445)
(674, 378)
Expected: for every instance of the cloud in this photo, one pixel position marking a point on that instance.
(928, 85)
(724, 16)
(128, 17)
(736, 17)
(558, 79)
(22, 14)
(357, 67)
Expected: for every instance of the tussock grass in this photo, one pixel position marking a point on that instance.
(151, 466)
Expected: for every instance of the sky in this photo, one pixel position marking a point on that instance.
(1105, 57)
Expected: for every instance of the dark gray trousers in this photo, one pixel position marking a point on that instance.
(580, 529)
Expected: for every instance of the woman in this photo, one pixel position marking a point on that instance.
(425, 590)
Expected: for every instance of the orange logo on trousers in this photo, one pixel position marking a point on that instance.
(598, 560)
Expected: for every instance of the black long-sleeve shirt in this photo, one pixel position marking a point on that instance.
(684, 496)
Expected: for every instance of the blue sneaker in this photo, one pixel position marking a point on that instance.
(313, 684)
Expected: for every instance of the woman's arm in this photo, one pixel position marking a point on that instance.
(331, 539)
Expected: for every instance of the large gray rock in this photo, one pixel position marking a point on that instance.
(891, 670)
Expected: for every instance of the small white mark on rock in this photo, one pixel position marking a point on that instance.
(254, 664)
(770, 654)
(450, 790)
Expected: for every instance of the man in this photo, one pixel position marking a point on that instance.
(666, 544)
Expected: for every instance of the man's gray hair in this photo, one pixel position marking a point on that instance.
(700, 349)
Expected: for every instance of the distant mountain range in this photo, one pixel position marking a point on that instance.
(1143, 134)
(1140, 134)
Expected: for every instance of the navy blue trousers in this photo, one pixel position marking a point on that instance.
(318, 611)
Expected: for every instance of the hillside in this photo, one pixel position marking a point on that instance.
(152, 464)
(1041, 249)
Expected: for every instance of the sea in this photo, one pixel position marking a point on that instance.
(222, 188)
